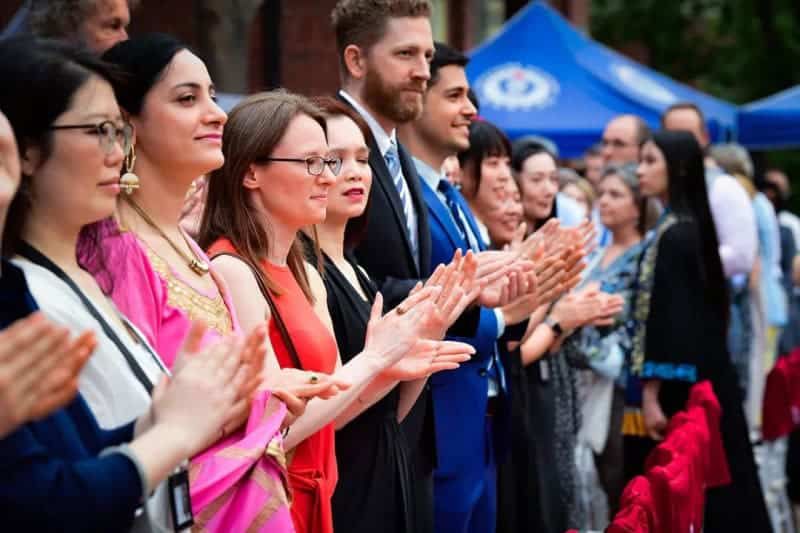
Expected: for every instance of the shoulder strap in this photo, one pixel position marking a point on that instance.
(276, 316)
(35, 256)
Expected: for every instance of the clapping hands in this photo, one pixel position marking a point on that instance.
(39, 368)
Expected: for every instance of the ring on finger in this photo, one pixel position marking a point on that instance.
(313, 379)
(401, 310)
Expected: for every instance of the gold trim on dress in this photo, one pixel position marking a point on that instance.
(211, 311)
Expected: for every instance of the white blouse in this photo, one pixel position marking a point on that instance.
(107, 383)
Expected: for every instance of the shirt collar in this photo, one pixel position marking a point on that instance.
(382, 139)
(431, 176)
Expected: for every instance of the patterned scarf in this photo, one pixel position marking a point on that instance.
(644, 289)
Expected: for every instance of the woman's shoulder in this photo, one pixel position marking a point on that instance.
(53, 295)
(221, 246)
(315, 281)
(682, 235)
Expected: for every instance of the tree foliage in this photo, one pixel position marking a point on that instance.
(738, 50)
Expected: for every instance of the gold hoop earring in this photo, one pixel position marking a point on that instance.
(129, 181)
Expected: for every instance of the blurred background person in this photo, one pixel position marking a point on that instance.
(770, 298)
(681, 312)
(609, 394)
(622, 137)
(577, 188)
(96, 24)
(593, 163)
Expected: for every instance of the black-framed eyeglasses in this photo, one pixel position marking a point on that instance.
(108, 133)
(315, 164)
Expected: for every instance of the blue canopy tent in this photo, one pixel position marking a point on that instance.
(539, 75)
(773, 122)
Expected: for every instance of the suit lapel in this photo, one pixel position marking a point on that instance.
(380, 173)
(473, 224)
(415, 189)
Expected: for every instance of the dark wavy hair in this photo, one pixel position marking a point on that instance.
(688, 199)
(40, 78)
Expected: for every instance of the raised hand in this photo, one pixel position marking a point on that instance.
(295, 387)
(588, 305)
(249, 377)
(551, 279)
(391, 336)
(39, 368)
(429, 357)
(458, 288)
(511, 283)
(522, 307)
(610, 306)
(540, 241)
(196, 403)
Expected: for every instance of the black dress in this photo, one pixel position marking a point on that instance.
(375, 475)
(528, 486)
(685, 335)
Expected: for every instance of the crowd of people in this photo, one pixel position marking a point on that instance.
(368, 311)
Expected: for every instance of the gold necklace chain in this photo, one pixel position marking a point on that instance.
(197, 266)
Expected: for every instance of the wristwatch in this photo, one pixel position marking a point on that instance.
(553, 324)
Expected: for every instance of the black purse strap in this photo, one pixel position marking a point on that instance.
(35, 256)
(276, 316)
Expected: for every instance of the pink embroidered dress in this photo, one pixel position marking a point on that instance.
(239, 483)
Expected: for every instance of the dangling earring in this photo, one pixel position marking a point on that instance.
(129, 181)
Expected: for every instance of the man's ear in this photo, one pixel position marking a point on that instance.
(249, 180)
(355, 61)
(31, 160)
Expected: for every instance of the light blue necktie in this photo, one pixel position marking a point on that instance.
(392, 159)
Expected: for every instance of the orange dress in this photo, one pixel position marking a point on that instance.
(312, 470)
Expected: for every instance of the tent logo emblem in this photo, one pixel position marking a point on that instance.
(515, 87)
(642, 84)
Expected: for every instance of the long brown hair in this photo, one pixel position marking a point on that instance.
(254, 128)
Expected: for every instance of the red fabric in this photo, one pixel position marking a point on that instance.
(637, 512)
(312, 469)
(704, 408)
(680, 464)
(776, 412)
(690, 459)
(793, 362)
(671, 487)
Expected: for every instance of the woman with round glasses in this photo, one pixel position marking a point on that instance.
(90, 465)
(276, 180)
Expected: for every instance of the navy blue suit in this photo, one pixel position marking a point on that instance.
(468, 441)
(51, 478)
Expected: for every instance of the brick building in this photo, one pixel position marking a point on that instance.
(289, 43)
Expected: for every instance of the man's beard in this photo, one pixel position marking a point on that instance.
(388, 101)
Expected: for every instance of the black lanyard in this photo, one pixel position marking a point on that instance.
(35, 256)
